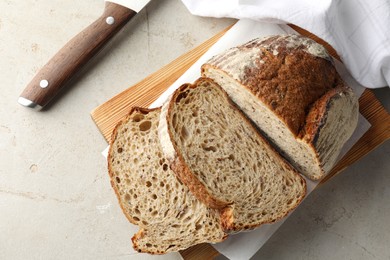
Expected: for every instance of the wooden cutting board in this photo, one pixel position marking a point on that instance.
(107, 115)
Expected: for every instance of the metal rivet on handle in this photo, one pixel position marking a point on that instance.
(110, 20)
(44, 83)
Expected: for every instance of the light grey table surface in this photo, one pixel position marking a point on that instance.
(56, 201)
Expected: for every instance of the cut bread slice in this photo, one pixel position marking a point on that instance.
(288, 86)
(150, 195)
(215, 151)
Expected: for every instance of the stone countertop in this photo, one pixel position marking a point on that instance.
(56, 201)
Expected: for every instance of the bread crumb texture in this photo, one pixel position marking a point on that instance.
(169, 217)
(224, 151)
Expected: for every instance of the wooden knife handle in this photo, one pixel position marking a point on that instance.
(74, 55)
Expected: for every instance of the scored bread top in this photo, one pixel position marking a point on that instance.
(287, 72)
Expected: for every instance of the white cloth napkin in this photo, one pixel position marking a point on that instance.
(359, 30)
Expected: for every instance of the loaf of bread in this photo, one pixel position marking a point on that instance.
(169, 216)
(216, 152)
(211, 161)
(288, 86)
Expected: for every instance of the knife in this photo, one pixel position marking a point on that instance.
(77, 52)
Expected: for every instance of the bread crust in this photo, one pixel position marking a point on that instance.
(292, 82)
(281, 76)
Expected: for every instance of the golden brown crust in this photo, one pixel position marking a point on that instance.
(287, 80)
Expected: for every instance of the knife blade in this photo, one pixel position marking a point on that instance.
(57, 72)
